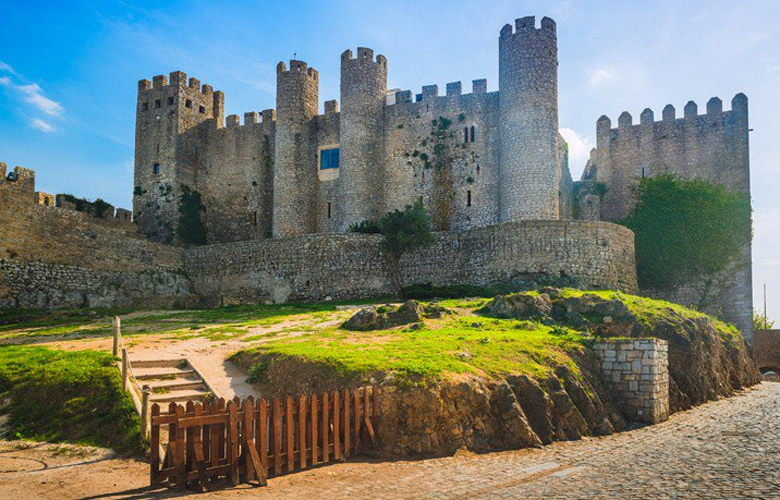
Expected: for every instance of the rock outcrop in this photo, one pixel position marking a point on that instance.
(387, 316)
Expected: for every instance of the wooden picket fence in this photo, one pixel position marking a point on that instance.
(253, 440)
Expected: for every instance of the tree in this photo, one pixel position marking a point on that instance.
(191, 229)
(686, 229)
(760, 323)
(405, 231)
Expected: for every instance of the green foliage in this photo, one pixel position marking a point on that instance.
(406, 230)
(686, 229)
(366, 227)
(68, 396)
(100, 206)
(761, 323)
(257, 372)
(191, 229)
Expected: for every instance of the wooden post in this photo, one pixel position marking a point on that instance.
(116, 323)
(124, 369)
(145, 411)
(154, 446)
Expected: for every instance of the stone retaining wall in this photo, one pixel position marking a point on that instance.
(637, 373)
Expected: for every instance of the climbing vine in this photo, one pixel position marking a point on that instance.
(686, 229)
(191, 229)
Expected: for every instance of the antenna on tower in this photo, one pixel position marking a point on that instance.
(295, 56)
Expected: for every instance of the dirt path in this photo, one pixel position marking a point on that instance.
(723, 449)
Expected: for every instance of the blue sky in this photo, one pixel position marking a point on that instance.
(68, 72)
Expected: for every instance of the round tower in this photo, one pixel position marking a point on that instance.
(295, 169)
(528, 117)
(361, 137)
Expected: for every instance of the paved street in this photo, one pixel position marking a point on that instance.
(724, 449)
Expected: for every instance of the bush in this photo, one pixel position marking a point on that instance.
(68, 396)
(405, 231)
(686, 229)
(366, 227)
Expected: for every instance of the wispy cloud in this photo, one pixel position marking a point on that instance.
(601, 76)
(42, 125)
(579, 150)
(33, 95)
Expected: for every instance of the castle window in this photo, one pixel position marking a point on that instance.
(465, 134)
(156, 169)
(328, 210)
(145, 106)
(202, 110)
(170, 101)
(329, 158)
(157, 103)
(468, 198)
(473, 133)
(188, 103)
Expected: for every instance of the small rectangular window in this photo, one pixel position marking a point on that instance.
(170, 101)
(328, 210)
(468, 198)
(156, 169)
(188, 103)
(145, 106)
(329, 158)
(157, 103)
(202, 110)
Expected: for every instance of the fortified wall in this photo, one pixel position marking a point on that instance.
(712, 146)
(54, 256)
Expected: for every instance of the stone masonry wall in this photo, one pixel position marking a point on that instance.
(350, 266)
(637, 372)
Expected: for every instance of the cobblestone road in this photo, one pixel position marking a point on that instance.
(724, 449)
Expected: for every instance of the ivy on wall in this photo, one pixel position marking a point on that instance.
(686, 229)
(191, 229)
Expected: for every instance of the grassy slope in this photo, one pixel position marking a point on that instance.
(67, 396)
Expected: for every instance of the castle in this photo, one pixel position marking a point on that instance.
(282, 190)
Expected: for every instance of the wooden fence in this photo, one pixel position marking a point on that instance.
(254, 440)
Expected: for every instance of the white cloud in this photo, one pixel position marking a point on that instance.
(7, 68)
(579, 150)
(42, 125)
(34, 95)
(601, 76)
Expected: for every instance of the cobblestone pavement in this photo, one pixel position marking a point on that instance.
(724, 449)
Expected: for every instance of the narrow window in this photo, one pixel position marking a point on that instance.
(156, 169)
(477, 169)
(328, 210)
(468, 198)
(329, 158)
(145, 106)
(202, 110)
(157, 103)
(473, 133)
(188, 103)
(170, 101)
(465, 134)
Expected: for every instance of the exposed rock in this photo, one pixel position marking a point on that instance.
(379, 318)
(520, 305)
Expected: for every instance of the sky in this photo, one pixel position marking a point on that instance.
(69, 72)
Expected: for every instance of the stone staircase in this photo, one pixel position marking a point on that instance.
(171, 380)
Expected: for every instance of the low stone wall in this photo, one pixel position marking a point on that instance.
(637, 372)
(349, 266)
(766, 350)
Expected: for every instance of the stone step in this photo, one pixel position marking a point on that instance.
(158, 363)
(162, 373)
(178, 384)
(178, 396)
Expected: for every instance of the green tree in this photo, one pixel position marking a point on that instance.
(405, 231)
(686, 229)
(191, 229)
(760, 323)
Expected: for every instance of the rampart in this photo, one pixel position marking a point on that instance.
(349, 266)
(55, 256)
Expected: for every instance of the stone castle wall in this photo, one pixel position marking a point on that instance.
(52, 256)
(349, 266)
(713, 146)
(637, 371)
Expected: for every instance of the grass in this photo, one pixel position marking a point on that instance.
(62, 396)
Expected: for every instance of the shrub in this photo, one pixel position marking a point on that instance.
(366, 227)
(191, 229)
(686, 229)
(405, 231)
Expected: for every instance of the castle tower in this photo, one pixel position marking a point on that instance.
(361, 132)
(295, 168)
(528, 117)
(165, 113)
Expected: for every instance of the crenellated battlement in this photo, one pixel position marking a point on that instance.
(364, 55)
(177, 79)
(251, 118)
(527, 25)
(297, 67)
(714, 109)
(431, 92)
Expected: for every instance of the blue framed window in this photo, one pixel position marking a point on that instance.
(329, 158)
(156, 169)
